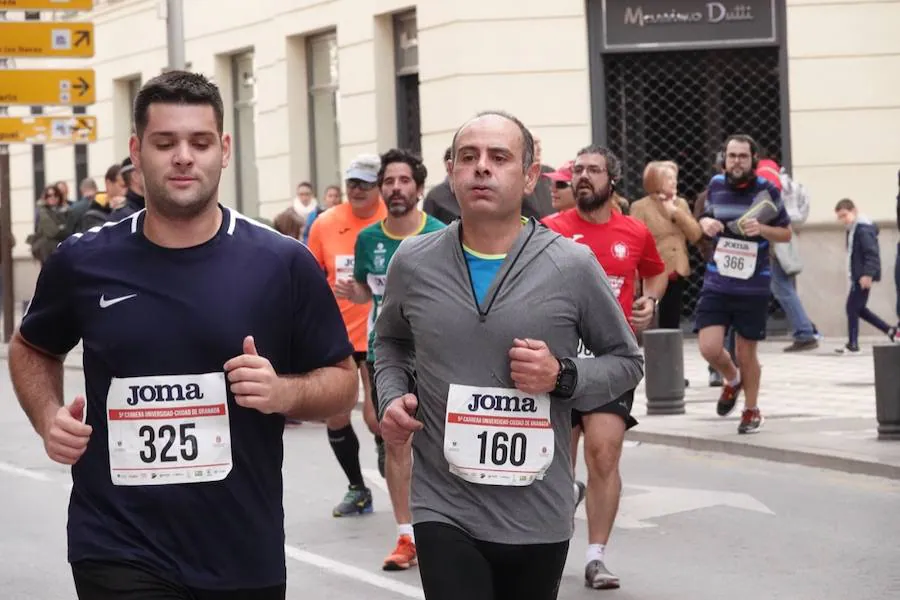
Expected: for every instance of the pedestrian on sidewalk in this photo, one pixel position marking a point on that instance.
(864, 266)
(786, 261)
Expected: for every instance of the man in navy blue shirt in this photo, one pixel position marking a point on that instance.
(202, 331)
(736, 285)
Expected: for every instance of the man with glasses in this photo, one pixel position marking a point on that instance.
(332, 240)
(738, 276)
(626, 250)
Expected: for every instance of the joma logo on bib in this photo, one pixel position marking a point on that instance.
(504, 403)
(163, 393)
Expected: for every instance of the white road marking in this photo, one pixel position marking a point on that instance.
(326, 564)
(19, 471)
(338, 568)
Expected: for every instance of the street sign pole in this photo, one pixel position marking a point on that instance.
(6, 260)
(175, 34)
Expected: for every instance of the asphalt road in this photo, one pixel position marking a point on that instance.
(692, 525)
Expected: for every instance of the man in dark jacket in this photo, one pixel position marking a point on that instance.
(134, 197)
(864, 270)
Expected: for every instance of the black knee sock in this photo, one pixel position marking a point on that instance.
(345, 445)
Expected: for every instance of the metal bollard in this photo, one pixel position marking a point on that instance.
(887, 390)
(664, 371)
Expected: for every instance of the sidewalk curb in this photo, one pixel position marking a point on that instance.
(782, 455)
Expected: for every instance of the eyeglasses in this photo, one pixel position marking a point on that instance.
(359, 184)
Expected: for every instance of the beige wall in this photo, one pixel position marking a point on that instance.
(525, 56)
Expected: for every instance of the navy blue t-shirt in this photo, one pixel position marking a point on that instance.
(176, 475)
(740, 264)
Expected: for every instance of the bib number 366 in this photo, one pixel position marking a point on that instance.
(497, 436)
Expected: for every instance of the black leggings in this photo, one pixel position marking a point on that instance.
(669, 309)
(455, 566)
(102, 580)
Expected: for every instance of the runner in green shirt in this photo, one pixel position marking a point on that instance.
(401, 182)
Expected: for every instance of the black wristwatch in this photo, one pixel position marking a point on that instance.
(567, 378)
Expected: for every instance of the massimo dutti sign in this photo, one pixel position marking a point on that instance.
(650, 24)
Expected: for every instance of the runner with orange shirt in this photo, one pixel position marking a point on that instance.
(332, 241)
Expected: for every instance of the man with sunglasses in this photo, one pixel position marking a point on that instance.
(332, 240)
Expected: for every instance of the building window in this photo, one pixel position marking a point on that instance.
(406, 59)
(322, 58)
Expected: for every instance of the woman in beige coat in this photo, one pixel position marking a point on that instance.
(669, 219)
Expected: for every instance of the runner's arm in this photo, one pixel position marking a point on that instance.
(322, 380)
(779, 231)
(617, 365)
(395, 352)
(322, 393)
(361, 293)
(37, 379)
(49, 330)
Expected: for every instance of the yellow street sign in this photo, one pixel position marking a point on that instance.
(71, 87)
(79, 129)
(46, 4)
(33, 39)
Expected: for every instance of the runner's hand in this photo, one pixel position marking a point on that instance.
(711, 227)
(253, 380)
(399, 423)
(344, 288)
(752, 228)
(642, 313)
(533, 367)
(67, 437)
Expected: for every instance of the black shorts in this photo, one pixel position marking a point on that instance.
(359, 358)
(621, 406)
(746, 314)
(103, 580)
(370, 367)
(455, 566)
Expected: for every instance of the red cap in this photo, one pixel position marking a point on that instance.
(768, 169)
(564, 173)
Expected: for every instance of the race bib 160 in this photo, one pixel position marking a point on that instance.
(497, 436)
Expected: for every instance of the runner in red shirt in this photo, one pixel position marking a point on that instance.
(626, 249)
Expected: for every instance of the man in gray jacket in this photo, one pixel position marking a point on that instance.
(476, 354)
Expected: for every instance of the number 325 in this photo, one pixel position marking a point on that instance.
(187, 442)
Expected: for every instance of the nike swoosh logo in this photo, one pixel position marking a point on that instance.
(104, 303)
(577, 237)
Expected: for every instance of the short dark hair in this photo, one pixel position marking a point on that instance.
(333, 187)
(448, 153)
(396, 155)
(845, 204)
(613, 164)
(744, 139)
(527, 138)
(177, 87)
(112, 173)
(305, 184)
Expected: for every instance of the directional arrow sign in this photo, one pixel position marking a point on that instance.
(636, 509)
(46, 130)
(46, 4)
(35, 39)
(72, 87)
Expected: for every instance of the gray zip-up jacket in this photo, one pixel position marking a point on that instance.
(430, 331)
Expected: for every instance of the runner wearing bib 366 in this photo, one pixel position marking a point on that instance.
(401, 181)
(625, 249)
(332, 240)
(736, 285)
(201, 330)
(475, 315)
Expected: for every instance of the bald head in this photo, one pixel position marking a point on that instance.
(521, 140)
